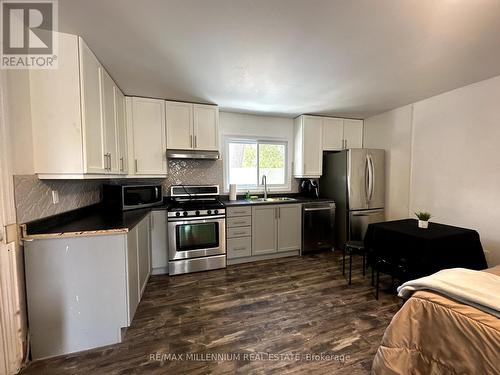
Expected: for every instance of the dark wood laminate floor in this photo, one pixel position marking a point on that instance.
(290, 306)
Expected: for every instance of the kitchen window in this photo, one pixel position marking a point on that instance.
(247, 160)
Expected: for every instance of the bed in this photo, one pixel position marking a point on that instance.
(435, 334)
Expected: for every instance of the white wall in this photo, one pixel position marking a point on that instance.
(454, 142)
(242, 124)
(391, 131)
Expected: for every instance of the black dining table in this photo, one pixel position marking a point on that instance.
(424, 251)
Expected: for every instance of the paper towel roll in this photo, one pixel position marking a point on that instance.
(232, 192)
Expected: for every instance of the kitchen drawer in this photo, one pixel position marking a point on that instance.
(243, 221)
(239, 232)
(238, 211)
(239, 247)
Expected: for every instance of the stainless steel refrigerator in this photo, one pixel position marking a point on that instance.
(355, 180)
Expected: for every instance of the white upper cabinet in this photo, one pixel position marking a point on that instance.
(308, 158)
(353, 133)
(93, 127)
(75, 123)
(148, 146)
(206, 127)
(315, 134)
(112, 164)
(192, 126)
(179, 125)
(340, 134)
(333, 134)
(121, 128)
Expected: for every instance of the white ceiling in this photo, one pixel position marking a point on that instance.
(351, 58)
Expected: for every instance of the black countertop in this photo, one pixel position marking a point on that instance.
(297, 199)
(97, 219)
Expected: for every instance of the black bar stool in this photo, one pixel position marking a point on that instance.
(353, 247)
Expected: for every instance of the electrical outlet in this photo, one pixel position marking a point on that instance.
(55, 197)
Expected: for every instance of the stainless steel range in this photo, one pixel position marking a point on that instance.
(196, 229)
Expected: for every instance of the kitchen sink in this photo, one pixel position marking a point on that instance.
(272, 199)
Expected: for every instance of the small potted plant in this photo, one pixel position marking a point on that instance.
(423, 219)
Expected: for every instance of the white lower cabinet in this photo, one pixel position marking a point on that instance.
(276, 228)
(132, 273)
(264, 229)
(159, 251)
(144, 252)
(289, 227)
(239, 232)
(81, 291)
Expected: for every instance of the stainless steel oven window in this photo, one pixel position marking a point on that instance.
(197, 236)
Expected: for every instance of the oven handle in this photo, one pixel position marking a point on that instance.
(195, 218)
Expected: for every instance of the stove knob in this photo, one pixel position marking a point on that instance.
(185, 213)
(216, 212)
(197, 213)
(177, 214)
(209, 212)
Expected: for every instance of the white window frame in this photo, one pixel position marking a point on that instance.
(286, 187)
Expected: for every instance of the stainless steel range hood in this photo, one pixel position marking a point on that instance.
(192, 154)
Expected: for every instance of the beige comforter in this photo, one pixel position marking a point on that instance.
(433, 334)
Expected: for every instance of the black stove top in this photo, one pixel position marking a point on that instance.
(195, 204)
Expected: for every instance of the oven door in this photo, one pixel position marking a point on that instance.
(196, 237)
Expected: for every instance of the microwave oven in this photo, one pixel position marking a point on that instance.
(129, 197)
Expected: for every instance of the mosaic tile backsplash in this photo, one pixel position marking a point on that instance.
(34, 197)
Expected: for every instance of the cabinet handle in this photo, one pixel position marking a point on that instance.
(136, 167)
(279, 212)
(239, 248)
(275, 213)
(122, 168)
(109, 159)
(191, 141)
(195, 142)
(238, 233)
(240, 222)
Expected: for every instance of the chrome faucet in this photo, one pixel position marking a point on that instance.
(264, 182)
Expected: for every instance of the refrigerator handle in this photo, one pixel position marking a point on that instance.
(367, 179)
(372, 176)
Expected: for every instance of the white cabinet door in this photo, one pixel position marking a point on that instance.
(264, 229)
(91, 110)
(109, 119)
(312, 145)
(206, 127)
(179, 125)
(159, 254)
(148, 123)
(353, 133)
(144, 252)
(121, 130)
(289, 227)
(132, 274)
(333, 134)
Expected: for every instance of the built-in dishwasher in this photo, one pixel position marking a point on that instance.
(318, 219)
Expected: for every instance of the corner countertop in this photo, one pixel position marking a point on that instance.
(88, 221)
